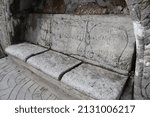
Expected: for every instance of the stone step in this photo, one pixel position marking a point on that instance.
(78, 79)
(18, 83)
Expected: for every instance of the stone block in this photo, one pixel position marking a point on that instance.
(24, 50)
(95, 82)
(53, 63)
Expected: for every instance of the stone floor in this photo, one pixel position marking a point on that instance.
(17, 83)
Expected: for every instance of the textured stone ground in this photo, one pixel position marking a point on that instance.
(17, 83)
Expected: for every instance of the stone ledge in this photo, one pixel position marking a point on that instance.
(87, 81)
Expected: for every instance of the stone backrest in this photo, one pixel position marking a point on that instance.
(106, 41)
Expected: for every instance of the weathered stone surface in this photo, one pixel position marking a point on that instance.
(95, 82)
(52, 63)
(142, 85)
(70, 6)
(39, 30)
(6, 27)
(145, 82)
(17, 83)
(106, 41)
(95, 9)
(111, 2)
(95, 39)
(24, 50)
(140, 12)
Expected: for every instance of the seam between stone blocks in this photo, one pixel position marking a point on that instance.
(100, 66)
(68, 70)
(32, 55)
(64, 72)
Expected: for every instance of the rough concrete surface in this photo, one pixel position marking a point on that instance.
(24, 50)
(106, 41)
(53, 63)
(17, 83)
(95, 82)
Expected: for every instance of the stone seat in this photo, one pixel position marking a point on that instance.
(89, 80)
(88, 56)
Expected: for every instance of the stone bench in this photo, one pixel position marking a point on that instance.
(88, 56)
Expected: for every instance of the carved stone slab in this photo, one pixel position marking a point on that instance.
(53, 63)
(95, 82)
(106, 41)
(24, 50)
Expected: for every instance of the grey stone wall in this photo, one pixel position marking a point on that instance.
(8, 24)
(5, 23)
